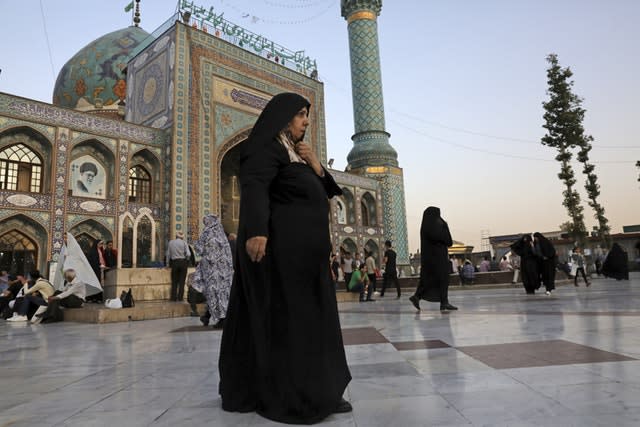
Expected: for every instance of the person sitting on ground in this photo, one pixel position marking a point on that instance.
(360, 283)
(4, 280)
(36, 295)
(467, 273)
(72, 295)
(74, 291)
(8, 295)
(505, 265)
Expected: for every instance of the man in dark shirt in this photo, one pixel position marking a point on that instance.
(110, 255)
(390, 269)
(9, 294)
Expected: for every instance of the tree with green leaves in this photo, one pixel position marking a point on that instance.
(593, 190)
(563, 122)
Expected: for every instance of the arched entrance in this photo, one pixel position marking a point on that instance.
(88, 233)
(18, 253)
(230, 182)
(23, 245)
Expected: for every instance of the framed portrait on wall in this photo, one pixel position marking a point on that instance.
(88, 178)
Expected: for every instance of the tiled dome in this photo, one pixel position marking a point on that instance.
(93, 79)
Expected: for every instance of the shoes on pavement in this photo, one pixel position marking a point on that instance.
(342, 407)
(448, 307)
(415, 301)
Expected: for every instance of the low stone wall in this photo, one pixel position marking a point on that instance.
(147, 284)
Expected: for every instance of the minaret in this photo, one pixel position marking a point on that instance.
(372, 155)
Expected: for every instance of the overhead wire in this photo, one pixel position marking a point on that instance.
(46, 36)
(343, 92)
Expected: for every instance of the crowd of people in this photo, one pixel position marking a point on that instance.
(361, 273)
(33, 298)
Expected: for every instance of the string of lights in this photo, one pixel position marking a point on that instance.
(300, 5)
(255, 18)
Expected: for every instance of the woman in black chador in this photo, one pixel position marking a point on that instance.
(616, 265)
(546, 254)
(282, 353)
(529, 263)
(435, 266)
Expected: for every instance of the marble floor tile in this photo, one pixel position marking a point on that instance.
(389, 387)
(595, 398)
(467, 382)
(508, 405)
(450, 362)
(432, 410)
(372, 353)
(380, 370)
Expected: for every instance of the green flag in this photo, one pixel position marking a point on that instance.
(128, 7)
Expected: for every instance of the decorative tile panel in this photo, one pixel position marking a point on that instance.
(49, 115)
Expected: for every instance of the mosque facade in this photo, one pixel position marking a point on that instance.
(143, 139)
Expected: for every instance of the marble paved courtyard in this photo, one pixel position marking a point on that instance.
(505, 359)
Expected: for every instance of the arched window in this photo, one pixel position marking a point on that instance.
(20, 169)
(368, 207)
(342, 212)
(139, 185)
(365, 213)
(348, 198)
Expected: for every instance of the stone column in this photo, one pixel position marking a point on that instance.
(372, 155)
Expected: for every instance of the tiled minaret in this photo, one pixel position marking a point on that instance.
(372, 155)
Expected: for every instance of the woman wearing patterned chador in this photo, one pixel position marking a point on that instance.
(214, 273)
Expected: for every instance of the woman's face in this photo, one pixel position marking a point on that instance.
(298, 125)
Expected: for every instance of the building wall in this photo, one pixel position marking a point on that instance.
(355, 231)
(62, 134)
(218, 92)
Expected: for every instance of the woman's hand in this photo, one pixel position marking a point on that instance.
(256, 248)
(308, 155)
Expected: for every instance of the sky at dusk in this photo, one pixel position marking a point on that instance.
(463, 82)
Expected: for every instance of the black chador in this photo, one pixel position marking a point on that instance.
(282, 353)
(529, 263)
(546, 254)
(435, 266)
(616, 265)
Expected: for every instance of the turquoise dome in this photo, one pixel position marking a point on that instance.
(93, 79)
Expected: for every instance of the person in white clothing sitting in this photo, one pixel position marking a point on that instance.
(74, 291)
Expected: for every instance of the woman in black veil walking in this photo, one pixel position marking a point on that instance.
(546, 261)
(529, 263)
(435, 238)
(616, 265)
(282, 353)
